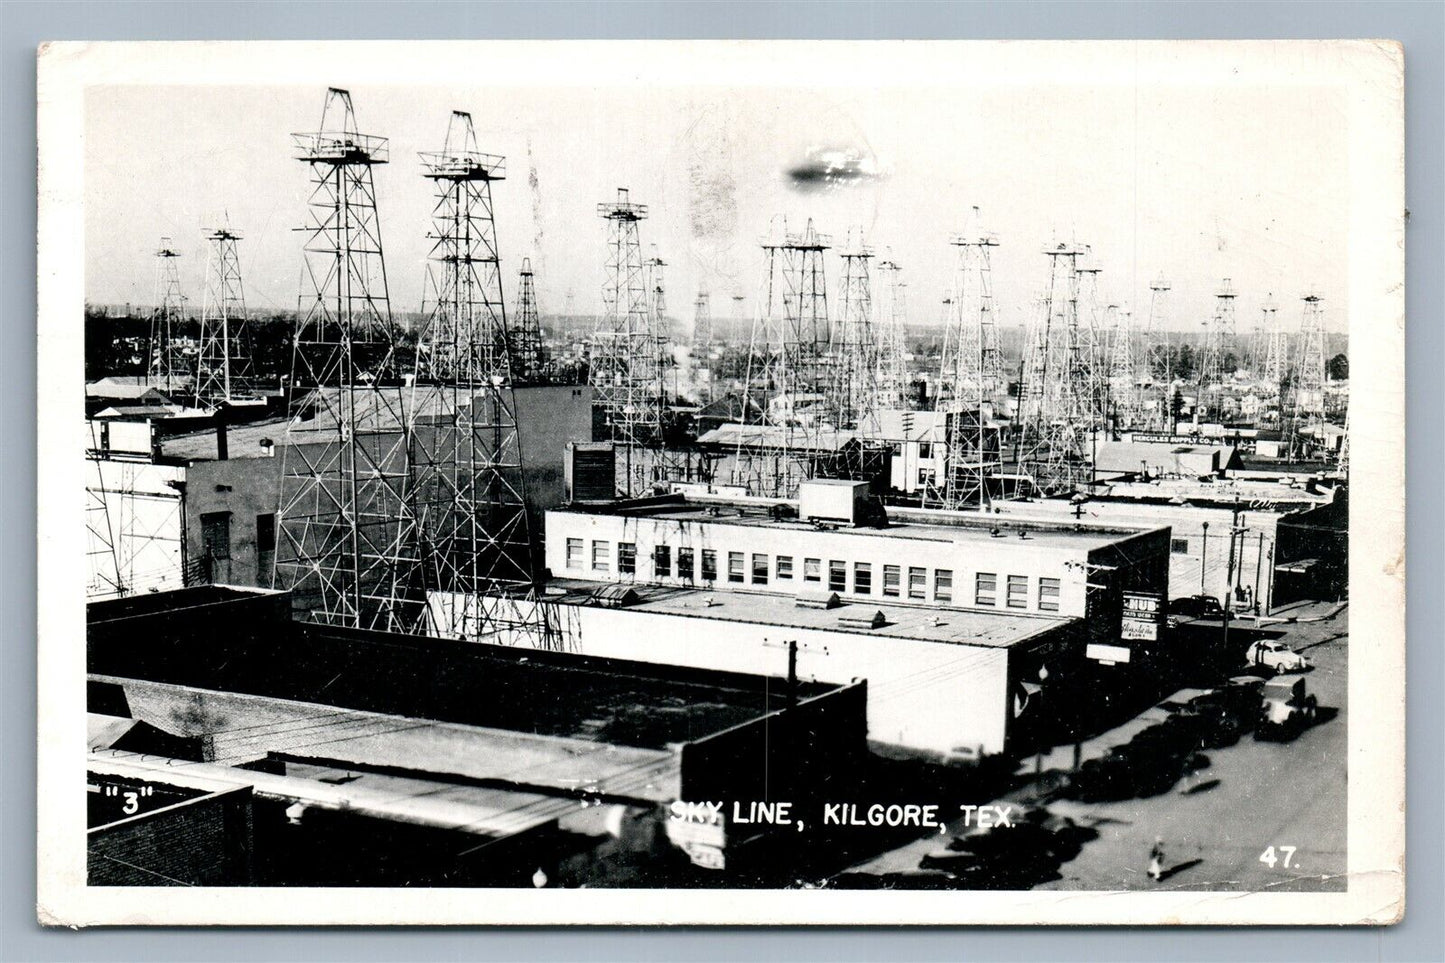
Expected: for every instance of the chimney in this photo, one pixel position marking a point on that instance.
(222, 446)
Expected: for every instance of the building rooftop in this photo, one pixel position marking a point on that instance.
(242, 441)
(931, 623)
(236, 642)
(969, 528)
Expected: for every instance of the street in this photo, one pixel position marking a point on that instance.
(1284, 801)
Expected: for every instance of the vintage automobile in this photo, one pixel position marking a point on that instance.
(1196, 607)
(1288, 708)
(1277, 656)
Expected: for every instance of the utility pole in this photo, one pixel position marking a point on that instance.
(1203, 555)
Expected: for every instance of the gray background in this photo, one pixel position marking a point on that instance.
(1420, 25)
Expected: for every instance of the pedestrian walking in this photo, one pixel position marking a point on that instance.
(1156, 859)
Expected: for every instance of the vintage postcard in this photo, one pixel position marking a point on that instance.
(711, 482)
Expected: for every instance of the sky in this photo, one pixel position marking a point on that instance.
(1194, 183)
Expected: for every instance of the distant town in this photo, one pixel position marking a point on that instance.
(843, 584)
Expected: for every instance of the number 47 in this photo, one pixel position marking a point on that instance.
(1269, 858)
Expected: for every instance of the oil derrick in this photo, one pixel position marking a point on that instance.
(526, 336)
(1157, 358)
(1219, 344)
(1055, 400)
(853, 386)
(345, 523)
(165, 366)
(971, 376)
(702, 320)
(1276, 352)
(786, 374)
(1089, 337)
(1122, 391)
(1309, 377)
(102, 558)
(892, 350)
(468, 493)
(224, 361)
(655, 277)
(971, 367)
(624, 367)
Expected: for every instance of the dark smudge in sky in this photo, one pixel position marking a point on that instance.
(828, 168)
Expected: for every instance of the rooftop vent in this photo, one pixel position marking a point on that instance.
(615, 596)
(875, 620)
(817, 599)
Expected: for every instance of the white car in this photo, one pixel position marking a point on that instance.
(1277, 656)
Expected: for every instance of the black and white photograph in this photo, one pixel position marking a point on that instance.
(710, 482)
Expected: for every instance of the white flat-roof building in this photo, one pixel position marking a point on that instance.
(960, 624)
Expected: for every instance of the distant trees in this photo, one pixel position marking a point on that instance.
(1338, 368)
(1184, 363)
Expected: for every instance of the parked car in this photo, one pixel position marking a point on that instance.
(1277, 656)
(1288, 707)
(1197, 607)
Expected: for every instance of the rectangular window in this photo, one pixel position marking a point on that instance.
(266, 533)
(1048, 595)
(862, 578)
(735, 566)
(1018, 591)
(812, 570)
(918, 583)
(684, 563)
(574, 553)
(891, 579)
(985, 589)
(601, 556)
(662, 561)
(837, 576)
(785, 566)
(760, 570)
(627, 558)
(709, 565)
(1179, 546)
(943, 585)
(216, 534)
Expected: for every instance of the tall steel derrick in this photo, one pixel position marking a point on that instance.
(702, 320)
(626, 352)
(1056, 406)
(103, 562)
(1123, 392)
(1219, 346)
(1309, 375)
(165, 366)
(1090, 337)
(787, 365)
(525, 342)
(468, 493)
(971, 377)
(1157, 357)
(853, 383)
(892, 317)
(224, 361)
(1275, 367)
(348, 538)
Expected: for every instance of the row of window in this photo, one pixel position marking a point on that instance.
(758, 568)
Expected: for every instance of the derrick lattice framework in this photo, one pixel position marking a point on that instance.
(1055, 398)
(892, 347)
(1276, 352)
(348, 540)
(526, 340)
(626, 352)
(853, 387)
(972, 376)
(1126, 399)
(469, 494)
(1218, 354)
(165, 365)
(702, 320)
(224, 360)
(1309, 378)
(1090, 338)
(1156, 360)
(787, 366)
